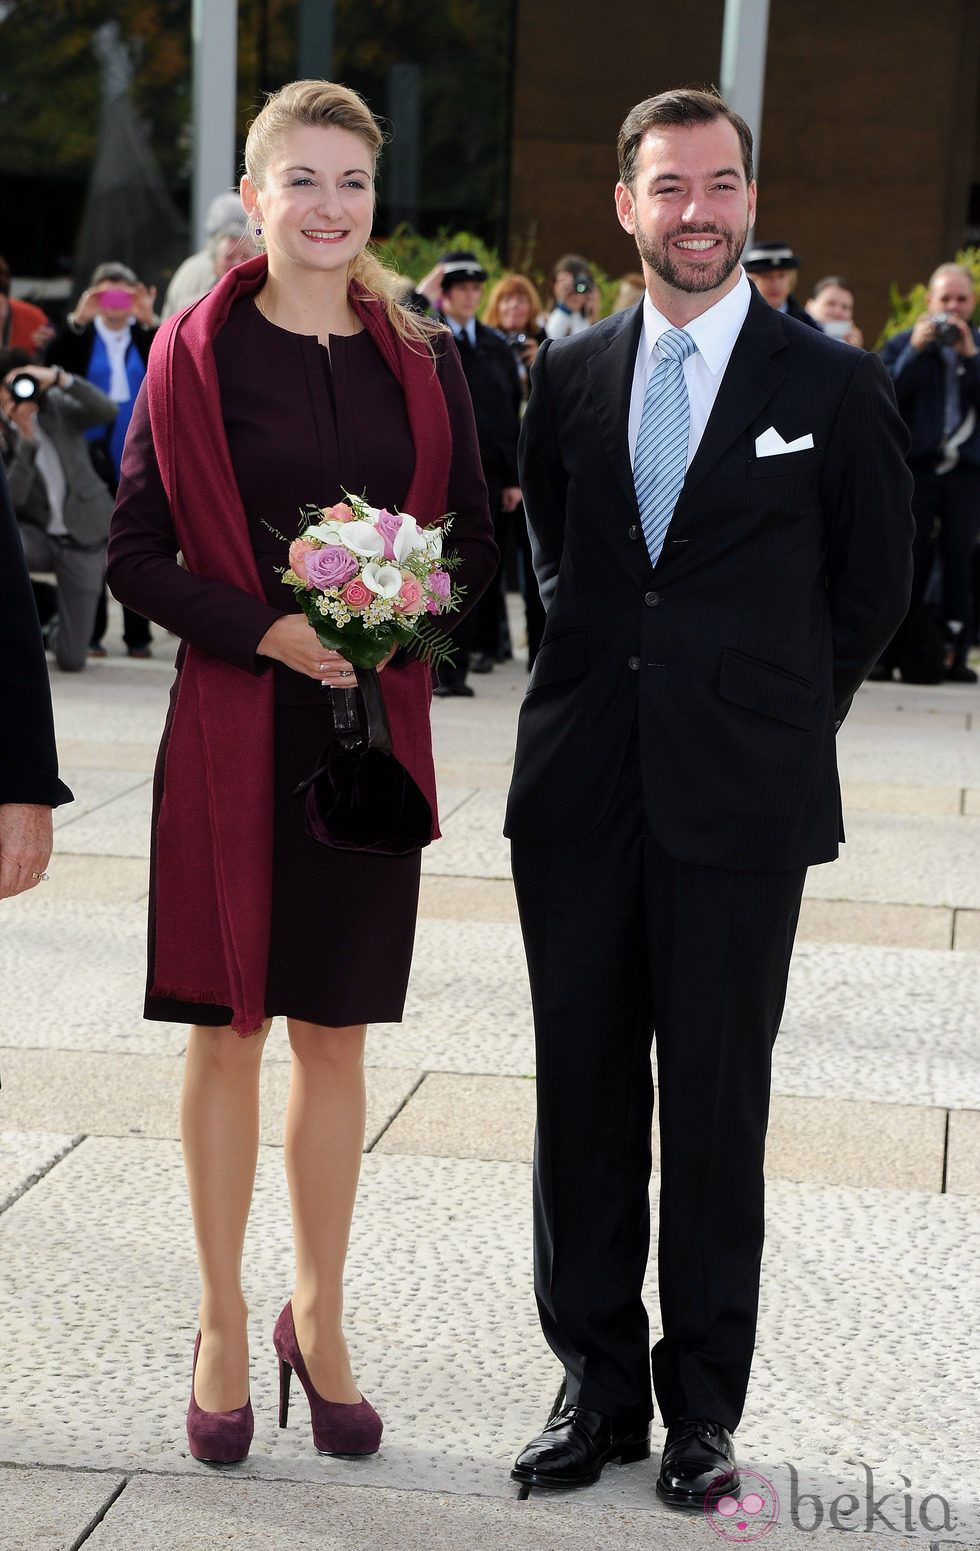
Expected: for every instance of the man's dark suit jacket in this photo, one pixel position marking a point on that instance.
(736, 657)
(495, 389)
(920, 388)
(28, 759)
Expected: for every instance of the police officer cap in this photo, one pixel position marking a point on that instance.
(770, 255)
(460, 265)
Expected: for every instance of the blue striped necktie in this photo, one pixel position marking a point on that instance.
(660, 460)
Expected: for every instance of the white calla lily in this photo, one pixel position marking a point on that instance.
(328, 532)
(385, 580)
(362, 538)
(406, 539)
(432, 539)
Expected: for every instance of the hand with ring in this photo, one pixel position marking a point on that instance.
(293, 641)
(25, 846)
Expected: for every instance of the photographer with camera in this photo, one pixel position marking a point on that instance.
(577, 299)
(935, 368)
(62, 506)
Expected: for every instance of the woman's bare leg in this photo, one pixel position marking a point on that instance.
(324, 1142)
(219, 1127)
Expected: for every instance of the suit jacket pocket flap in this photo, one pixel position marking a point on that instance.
(561, 656)
(785, 463)
(762, 687)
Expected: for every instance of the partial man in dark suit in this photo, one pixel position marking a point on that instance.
(494, 383)
(29, 784)
(719, 509)
(935, 367)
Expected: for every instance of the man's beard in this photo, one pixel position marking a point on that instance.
(704, 278)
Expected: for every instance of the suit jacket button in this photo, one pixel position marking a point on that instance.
(652, 599)
(634, 664)
(635, 531)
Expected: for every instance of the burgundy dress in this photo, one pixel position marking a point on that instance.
(302, 426)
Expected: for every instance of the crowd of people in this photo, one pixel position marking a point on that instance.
(106, 338)
(771, 511)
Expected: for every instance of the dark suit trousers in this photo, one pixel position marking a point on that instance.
(950, 503)
(625, 943)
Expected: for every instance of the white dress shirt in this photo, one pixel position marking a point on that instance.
(116, 343)
(714, 333)
(463, 330)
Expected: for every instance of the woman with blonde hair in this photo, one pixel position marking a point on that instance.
(297, 378)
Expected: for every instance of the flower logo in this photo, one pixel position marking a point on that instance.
(743, 1514)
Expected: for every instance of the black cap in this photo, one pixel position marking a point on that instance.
(770, 255)
(460, 265)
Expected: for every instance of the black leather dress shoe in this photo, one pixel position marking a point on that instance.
(576, 1444)
(696, 1454)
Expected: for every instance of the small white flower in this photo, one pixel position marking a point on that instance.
(385, 580)
(433, 542)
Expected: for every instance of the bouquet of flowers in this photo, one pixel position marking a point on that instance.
(368, 579)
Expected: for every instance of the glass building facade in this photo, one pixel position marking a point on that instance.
(96, 126)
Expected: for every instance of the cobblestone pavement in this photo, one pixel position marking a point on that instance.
(863, 1405)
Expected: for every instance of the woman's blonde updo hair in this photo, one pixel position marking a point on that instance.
(327, 105)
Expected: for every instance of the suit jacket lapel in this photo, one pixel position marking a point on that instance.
(753, 374)
(611, 377)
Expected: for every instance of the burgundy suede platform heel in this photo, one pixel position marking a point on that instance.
(218, 1437)
(337, 1428)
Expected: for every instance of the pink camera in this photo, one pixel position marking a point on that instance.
(114, 299)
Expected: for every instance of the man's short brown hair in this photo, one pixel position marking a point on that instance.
(687, 106)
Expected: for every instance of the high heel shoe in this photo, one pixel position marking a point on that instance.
(218, 1437)
(337, 1428)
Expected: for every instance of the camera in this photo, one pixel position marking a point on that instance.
(947, 332)
(582, 285)
(517, 342)
(23, 387)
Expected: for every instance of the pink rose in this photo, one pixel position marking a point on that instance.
(330, 566)
(339, 513)
(356, 595)
(412, 596)
(298, 551)
(440, 590)
(389, 526)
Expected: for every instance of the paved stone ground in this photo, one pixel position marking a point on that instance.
(863, 1406)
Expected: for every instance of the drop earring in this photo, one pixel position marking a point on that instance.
(258, 231)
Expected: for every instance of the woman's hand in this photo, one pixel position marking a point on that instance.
(143, 299)
(86, 309)
(293, 641)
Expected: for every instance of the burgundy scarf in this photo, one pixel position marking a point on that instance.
(214, 831)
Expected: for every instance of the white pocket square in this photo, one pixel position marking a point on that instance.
(770, 444)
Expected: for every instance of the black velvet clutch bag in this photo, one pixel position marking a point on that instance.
(360, 797)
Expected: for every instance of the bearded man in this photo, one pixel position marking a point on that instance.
(720, 518)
